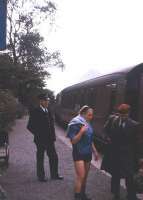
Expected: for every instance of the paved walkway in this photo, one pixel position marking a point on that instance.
(20, 181)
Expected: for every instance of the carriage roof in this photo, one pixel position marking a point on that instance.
(105, 78)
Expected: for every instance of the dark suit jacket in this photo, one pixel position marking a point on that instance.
(121, 154)
(41, 125)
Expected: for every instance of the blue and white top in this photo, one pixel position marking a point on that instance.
(84, 146)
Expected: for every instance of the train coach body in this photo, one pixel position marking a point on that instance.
(103, 94)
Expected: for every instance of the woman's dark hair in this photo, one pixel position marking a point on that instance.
(84, 110)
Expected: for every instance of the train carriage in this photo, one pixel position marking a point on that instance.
(103, 94)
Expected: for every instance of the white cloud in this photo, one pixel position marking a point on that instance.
(100, 34)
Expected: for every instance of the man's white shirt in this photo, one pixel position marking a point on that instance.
(44, 109)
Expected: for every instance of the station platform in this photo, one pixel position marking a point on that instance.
(20, 180)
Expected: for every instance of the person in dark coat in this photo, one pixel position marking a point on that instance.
(41, 125)
(120, 160)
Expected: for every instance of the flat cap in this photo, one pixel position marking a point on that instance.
(43, 97)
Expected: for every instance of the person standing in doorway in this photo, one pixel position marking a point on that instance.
(41, 125)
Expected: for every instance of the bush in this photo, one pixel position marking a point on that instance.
(8, 107)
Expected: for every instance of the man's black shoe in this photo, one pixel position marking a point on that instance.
(57, 178)
(44, 180)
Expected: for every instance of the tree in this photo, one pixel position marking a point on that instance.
(18, 80)
(28, 57)
(24, 39)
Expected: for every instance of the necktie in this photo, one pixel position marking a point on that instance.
(122, 123)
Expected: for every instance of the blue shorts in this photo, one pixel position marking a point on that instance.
(84, 157)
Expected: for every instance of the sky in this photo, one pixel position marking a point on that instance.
(95, 37)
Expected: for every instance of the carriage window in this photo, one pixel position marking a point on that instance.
(59, 99)
(92, 97)
(112, 87)
(112, 101)
(84, 97)
(66, 100)
(63, 100)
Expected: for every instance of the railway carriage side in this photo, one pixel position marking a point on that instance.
(134, 97)
(103, 94)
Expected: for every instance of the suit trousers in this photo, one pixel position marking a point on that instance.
(115, 185)
(53, 159)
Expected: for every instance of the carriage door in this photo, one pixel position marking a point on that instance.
(140, 117)
(141, 100)
(112, 92)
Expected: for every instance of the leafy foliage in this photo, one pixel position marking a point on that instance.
(26, 65)
(22, 82)
(24, 69)
(7, 110)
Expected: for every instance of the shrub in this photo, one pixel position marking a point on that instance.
(8, 107)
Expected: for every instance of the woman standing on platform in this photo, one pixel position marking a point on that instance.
(81, 135)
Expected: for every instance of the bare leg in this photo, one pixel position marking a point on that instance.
(80, 175)
(87, 168)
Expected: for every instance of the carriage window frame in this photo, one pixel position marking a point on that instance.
(92, 97)
(112, 85)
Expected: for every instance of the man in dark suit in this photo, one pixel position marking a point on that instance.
(41, 125)
(121, 160)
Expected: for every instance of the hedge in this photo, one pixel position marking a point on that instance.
(8, 110)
